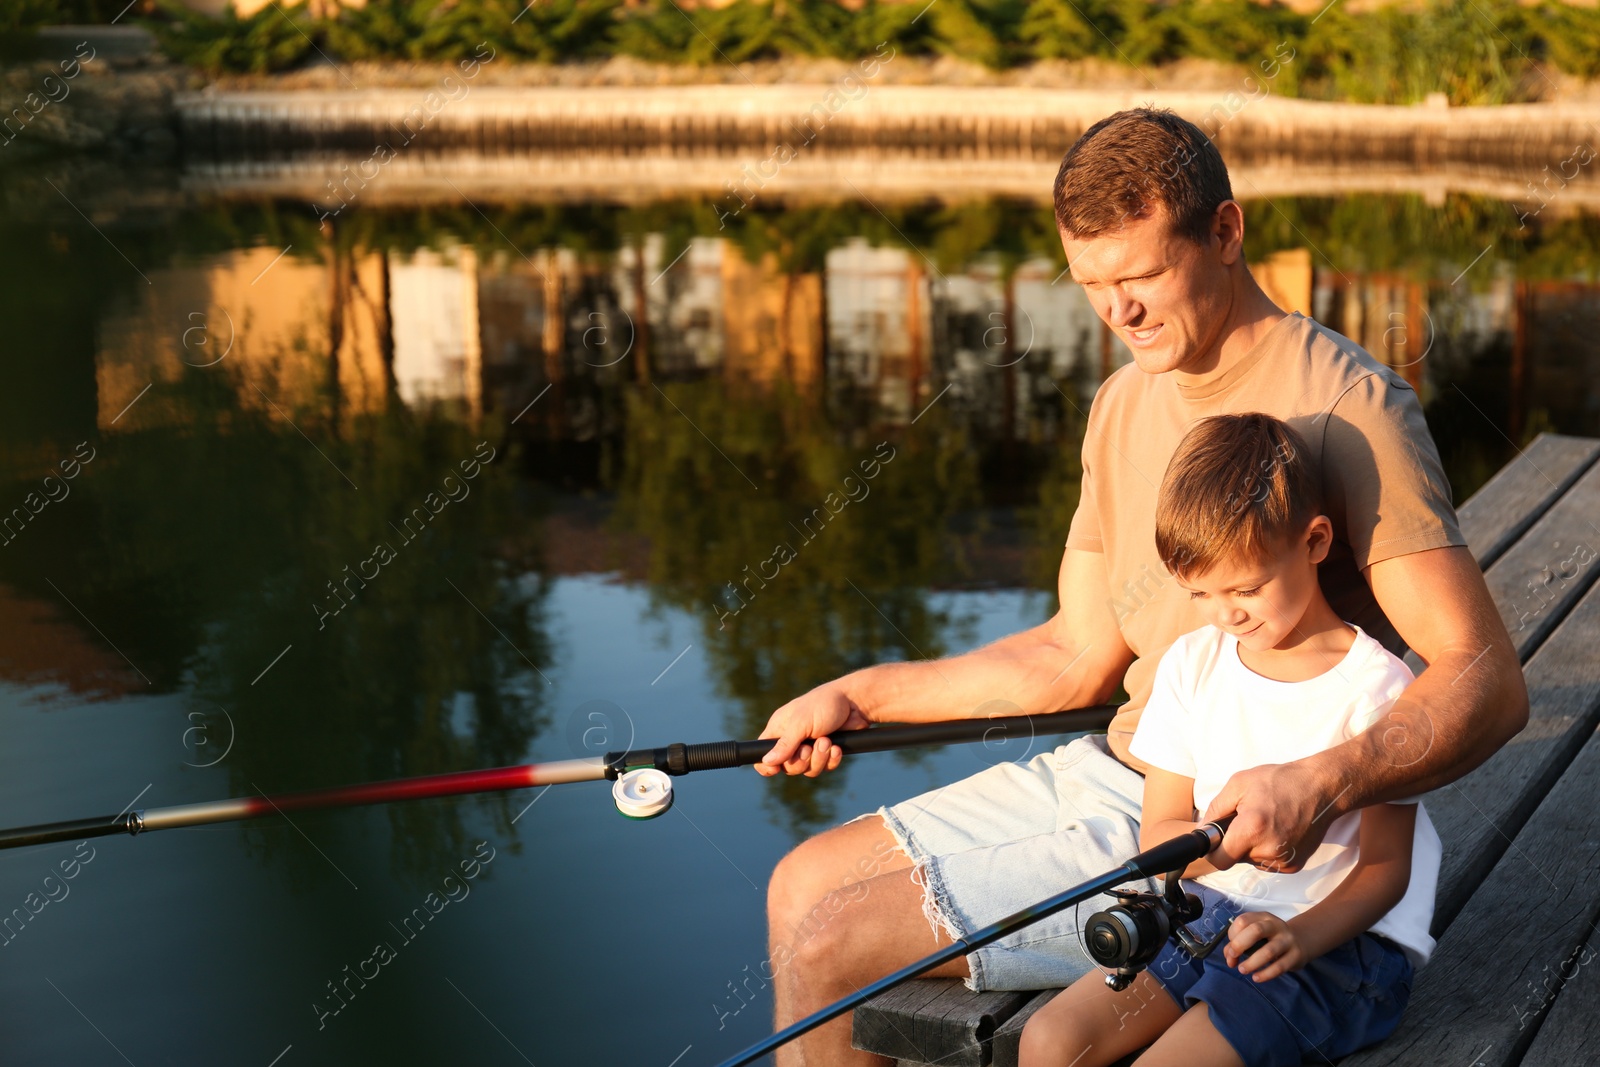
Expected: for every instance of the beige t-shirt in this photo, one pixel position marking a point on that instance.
(1385, 488)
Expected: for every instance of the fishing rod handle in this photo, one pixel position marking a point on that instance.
(679, 758)
(1176, 853)
(717, 755)
(72, 830)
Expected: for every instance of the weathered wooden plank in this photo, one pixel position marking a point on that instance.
(1539, 578)
(961, 1023)
(935, 1019)
(1477, 816)
(1479, 999)
(1522, 491)
(884, 1024)
(1571, 1029)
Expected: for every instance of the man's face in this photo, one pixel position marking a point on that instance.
(1165, 295)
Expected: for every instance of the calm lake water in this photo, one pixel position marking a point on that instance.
(439, 486)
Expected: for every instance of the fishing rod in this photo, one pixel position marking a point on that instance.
(1172, 855)
(642, 778)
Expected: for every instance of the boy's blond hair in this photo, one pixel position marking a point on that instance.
(1237, 487)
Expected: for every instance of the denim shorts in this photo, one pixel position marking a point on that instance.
(1339, 1002)
(1012, 835)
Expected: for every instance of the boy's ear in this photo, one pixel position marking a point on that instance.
(1319, 538)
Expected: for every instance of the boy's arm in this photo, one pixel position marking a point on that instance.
(1168, 811)
(1374, 886)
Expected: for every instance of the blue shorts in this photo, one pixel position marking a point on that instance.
(1339, 1002)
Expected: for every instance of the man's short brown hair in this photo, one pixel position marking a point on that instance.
(1126, 166)
(1237, 487)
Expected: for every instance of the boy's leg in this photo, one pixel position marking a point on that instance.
(1192, 1041)
(1088, 1025)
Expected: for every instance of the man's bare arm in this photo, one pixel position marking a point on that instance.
(1472, 698)
(1469, 702)
(1075, 659)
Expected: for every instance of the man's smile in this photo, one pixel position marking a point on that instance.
(1143, 338)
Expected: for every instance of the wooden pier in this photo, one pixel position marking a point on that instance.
(1515, 979)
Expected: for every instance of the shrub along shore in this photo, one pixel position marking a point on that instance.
(1471, 51)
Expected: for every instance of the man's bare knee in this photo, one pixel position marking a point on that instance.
(839, 860)
(800, 879)
(822, 937)
(861, 933)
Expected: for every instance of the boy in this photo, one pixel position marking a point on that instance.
(1276, 676)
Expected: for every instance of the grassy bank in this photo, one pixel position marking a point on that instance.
(1473, 51)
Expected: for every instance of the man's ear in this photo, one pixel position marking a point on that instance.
(1319, 538)
(1227, 231)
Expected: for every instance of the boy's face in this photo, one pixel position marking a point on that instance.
(1261, 602)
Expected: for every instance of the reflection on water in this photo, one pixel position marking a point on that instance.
(402, 494)
(213, 547)
(272, 397)
(869, 316)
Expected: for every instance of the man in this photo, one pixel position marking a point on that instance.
(1153, 235)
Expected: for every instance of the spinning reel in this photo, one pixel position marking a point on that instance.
(1128, 936)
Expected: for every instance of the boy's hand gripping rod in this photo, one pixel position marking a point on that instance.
(654, 763)
(1173, 855)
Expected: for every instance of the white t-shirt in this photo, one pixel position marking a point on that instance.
(1210, 716)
